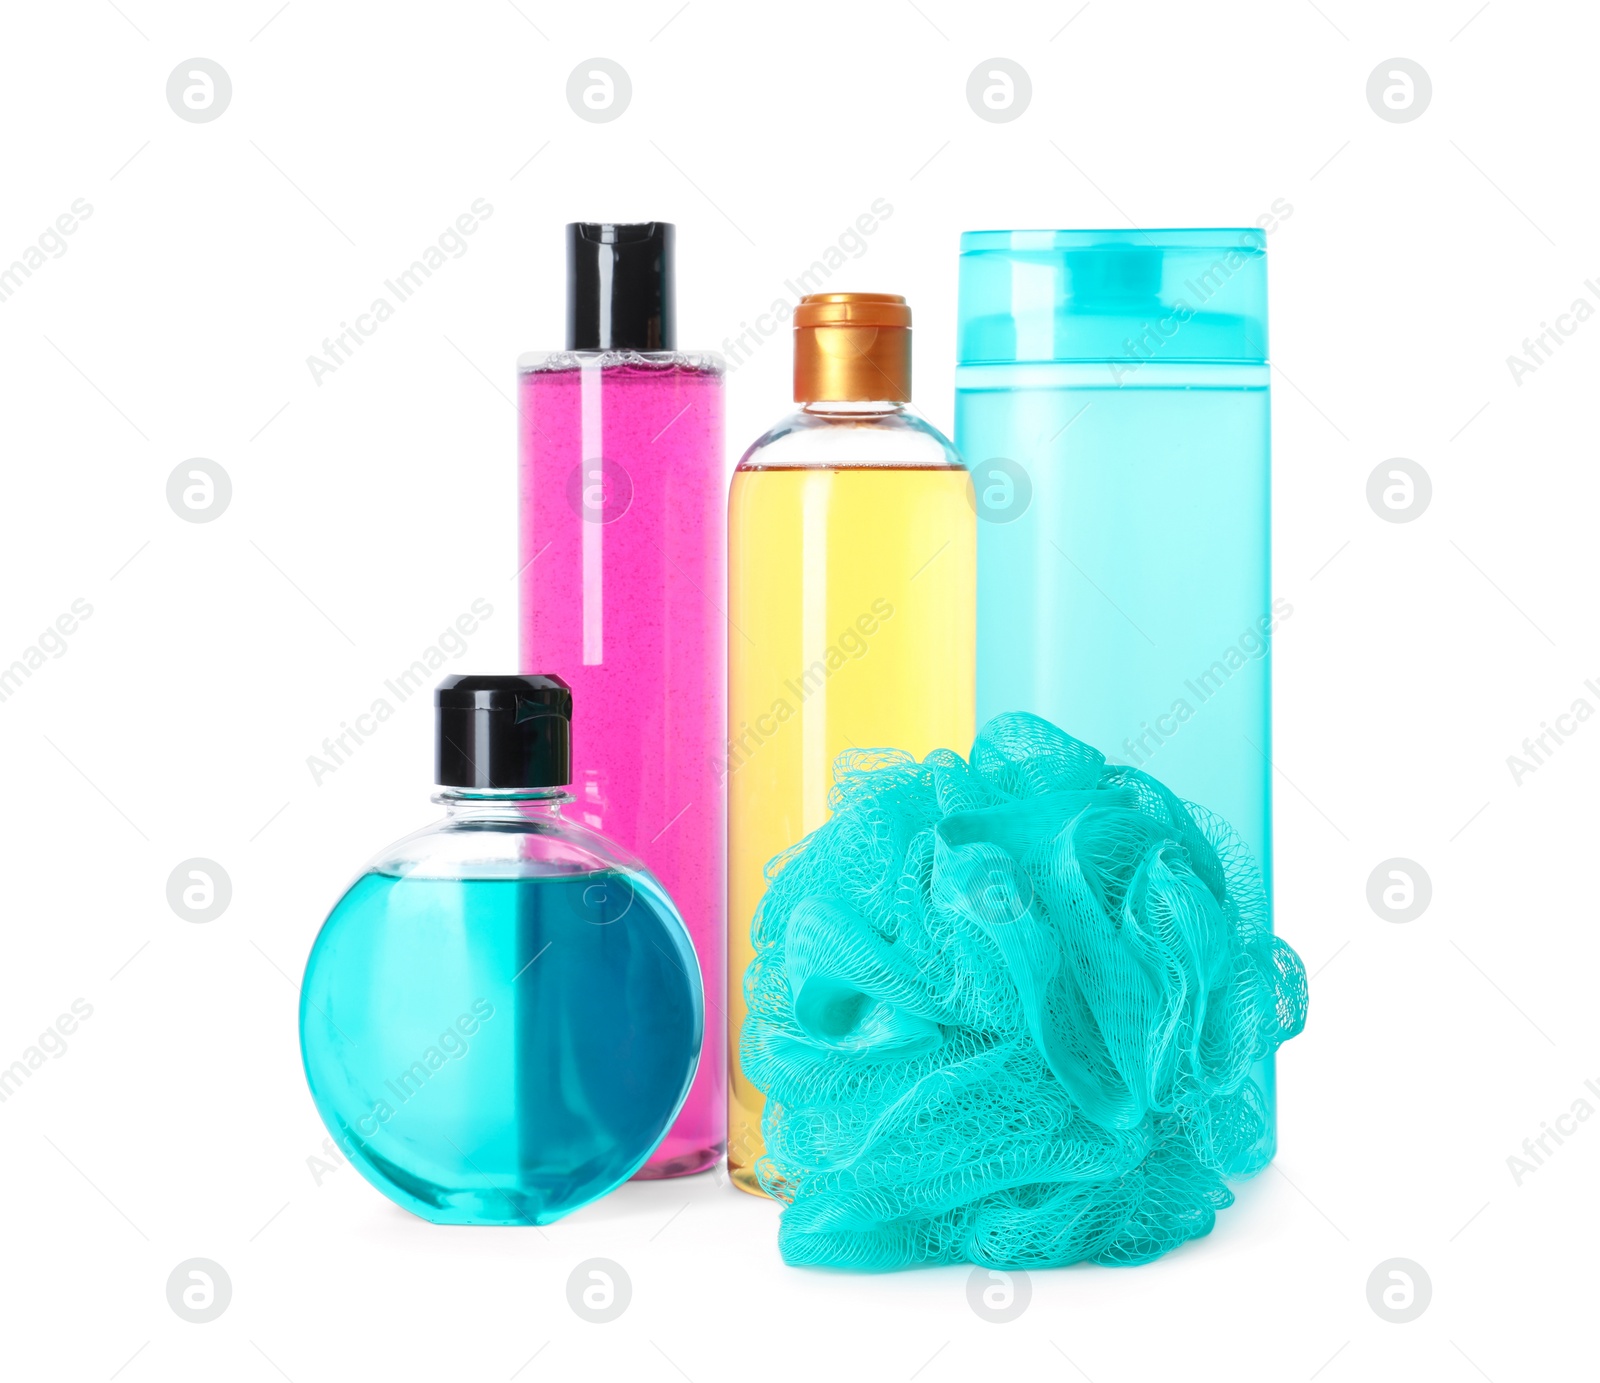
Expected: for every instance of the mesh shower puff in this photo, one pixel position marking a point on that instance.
(1005, 1011)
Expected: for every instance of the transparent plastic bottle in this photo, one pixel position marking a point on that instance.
(502, 1016)
(1112, 401)
(851, 589)
(622, 477)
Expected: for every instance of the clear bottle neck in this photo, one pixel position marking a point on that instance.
(502, 804)
(844, 434)
(855, 408)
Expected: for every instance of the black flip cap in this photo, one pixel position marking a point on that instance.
(503, 732)
(620, 294)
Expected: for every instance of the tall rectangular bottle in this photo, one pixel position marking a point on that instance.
(622, 571)
(1112, 402)
(852, 606)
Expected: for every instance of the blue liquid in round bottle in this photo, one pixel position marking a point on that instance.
(502, 1016)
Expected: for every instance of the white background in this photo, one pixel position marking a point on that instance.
(372, 509)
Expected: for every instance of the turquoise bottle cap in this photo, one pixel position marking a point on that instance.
(1180, 296)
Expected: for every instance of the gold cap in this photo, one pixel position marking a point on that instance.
(851, 347)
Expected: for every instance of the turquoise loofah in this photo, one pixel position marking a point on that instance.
(1005, 1012)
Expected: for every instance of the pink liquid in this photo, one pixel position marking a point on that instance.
(622, 586)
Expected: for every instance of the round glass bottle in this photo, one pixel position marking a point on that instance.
(502, 1016)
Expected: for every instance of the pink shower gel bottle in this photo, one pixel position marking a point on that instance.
(622, 583)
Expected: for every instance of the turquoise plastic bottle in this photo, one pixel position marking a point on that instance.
(1112, 402)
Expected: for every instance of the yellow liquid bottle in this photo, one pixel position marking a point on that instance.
(852, 620)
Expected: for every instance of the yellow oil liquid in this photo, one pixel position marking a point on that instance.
(853, 624)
